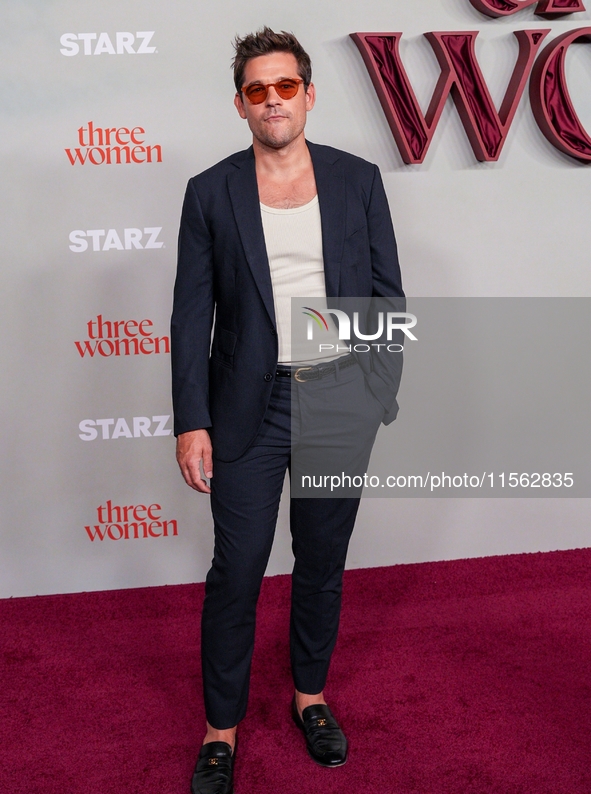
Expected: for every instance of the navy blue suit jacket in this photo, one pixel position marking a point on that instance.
(224, 384)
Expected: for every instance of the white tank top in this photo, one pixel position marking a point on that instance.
(294, 247)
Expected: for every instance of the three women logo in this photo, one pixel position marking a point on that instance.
(486, 127)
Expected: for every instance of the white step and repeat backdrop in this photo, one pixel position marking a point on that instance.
(107, 109)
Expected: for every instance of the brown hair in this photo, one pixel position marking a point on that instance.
(264, 42)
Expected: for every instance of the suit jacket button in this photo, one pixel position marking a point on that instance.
(273, 332)
(268, 376)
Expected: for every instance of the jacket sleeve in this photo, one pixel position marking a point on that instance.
(387, 281)
(192, 318)
(384, 378)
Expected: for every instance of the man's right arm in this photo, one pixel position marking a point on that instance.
(191, 324)
(192, 449)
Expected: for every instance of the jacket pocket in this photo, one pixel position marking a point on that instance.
(359, 230)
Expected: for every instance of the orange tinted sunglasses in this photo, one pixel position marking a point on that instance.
(257, 92)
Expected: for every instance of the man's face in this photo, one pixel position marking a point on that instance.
(275, 122)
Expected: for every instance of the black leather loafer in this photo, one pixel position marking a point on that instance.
(325, 741)
(214, 772)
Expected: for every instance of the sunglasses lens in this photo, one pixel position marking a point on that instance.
(256, 94)
(287, 89)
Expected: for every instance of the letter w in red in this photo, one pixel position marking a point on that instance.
(461, 76)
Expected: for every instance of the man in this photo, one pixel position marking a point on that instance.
(285, 217)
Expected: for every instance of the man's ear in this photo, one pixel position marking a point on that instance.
(239, 105)
(310, 97)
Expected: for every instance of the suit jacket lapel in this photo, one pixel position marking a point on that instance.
(330, 183)
(244, 195)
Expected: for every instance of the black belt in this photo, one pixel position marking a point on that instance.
(316, 371)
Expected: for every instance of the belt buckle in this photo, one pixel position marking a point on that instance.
(297, 373)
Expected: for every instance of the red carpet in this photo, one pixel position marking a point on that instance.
(464, 677)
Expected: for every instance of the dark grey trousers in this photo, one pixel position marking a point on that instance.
(245, 501)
